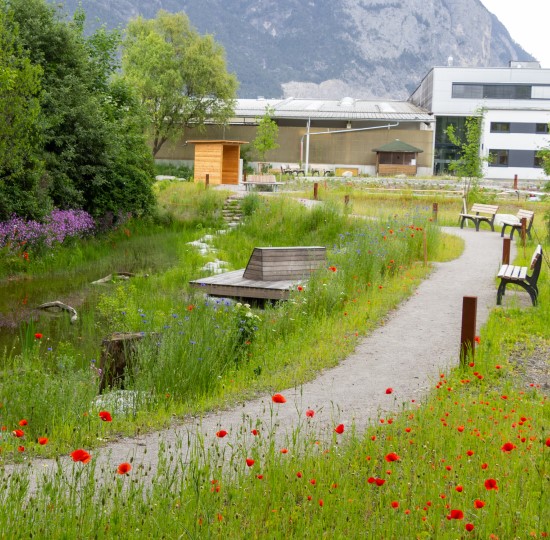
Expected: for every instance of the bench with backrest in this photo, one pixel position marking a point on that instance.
(480, 213)
(268, 180)
(516, 223)
(517, 275)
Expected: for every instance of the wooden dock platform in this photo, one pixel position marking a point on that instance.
(271, 273)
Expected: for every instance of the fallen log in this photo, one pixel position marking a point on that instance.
(60, 306)
(110, 277)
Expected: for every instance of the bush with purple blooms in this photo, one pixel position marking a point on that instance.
(58, 226)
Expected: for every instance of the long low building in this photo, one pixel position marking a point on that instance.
(328, 135)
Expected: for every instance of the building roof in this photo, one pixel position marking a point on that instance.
(397, 146)
(344, 109)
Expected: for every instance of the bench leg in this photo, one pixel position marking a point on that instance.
(531, 290)
(501, 291)
(503, 230)
(462, 220)
(478, 223)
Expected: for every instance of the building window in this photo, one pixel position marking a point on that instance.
(537, 161)
(491, 91)
(500, 127)
(498, 158)
(541, 128)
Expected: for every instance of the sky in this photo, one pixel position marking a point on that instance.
(527, 23)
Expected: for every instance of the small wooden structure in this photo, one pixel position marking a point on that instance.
(396, 157)
(219, 159)
(270, 273)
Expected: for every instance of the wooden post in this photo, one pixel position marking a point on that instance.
(244, 176)
(506, 250)
(515, 181)
(435, 208)
(346, 200)
(207, 182)
(523, 230)
(468, 331)
(316, 191)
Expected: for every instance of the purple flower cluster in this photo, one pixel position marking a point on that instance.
(58, 226)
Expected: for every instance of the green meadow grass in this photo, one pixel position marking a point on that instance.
(318, 488)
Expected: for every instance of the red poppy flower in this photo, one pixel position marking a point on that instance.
(249, 462)
(547, 442)
(105, 416)
(278, 398)
(321, 502)
(310, 413)
(389, 390)
(469, 527)
(18, 433)
(478, 503)
(491, 483)
(190, 307)
(254, 432)
(124, 468)
(408, 429)
(23, 422)
(484, 466)
(508, 447)
(81, 455)
(339, 429)
(392, 456)
(459, 488)
(313, 481)
(260, 476)
(379, 481)
(38, 335)
(477, 339)
(332, 268)
(470, 452)
(42, 440)
(284, 451)
(21, 448)
(300, 288)
(3, 428)
(460, 428)
(457, 514)
(299, 474)
(221, 434)
(395, 504)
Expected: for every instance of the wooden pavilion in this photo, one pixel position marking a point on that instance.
(396, 157)
(219, 159)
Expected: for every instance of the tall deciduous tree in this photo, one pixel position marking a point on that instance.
(180, 76)
(20, 171)
(266, 134)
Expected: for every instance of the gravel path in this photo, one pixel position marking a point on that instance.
(406, 353)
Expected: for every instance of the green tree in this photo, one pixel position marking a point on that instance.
(544, 155)
(180, 76)
(93, 149)
(20, 171)
(470, 164)
(266, 134)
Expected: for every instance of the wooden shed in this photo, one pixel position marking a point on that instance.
(219, 159)
(396, 157)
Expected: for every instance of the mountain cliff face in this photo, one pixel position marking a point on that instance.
(328, 49)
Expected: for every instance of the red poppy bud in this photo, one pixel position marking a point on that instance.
(254, 432)
(321, 502)
(278, 398)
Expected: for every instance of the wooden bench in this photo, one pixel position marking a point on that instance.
(480, 213)
(516, 224)
(271, 273)
(268, 180)
(294, 170)
(517, 275)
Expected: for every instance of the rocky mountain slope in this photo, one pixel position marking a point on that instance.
(327, 49)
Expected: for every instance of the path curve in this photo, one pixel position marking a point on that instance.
(406, 353)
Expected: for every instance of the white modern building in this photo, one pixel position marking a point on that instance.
(516, 101)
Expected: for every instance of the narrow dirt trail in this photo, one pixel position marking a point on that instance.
(406, 353)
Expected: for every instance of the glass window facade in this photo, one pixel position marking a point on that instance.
(500, 127)
(491, 91)
(498, 158)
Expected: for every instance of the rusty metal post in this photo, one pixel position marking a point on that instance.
(425, 246)
(435, 208)
(207, 182)
(506, 242)
(346, 200)
(523, 230)
(316, 191)
(515, 181)
(468, 331)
